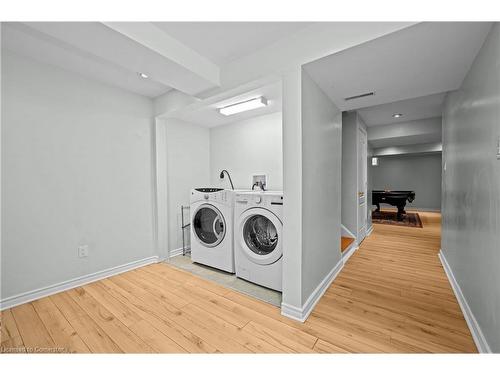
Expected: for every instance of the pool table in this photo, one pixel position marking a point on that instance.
(396, 198)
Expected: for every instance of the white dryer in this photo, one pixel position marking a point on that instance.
(258, 238)
(212, 228)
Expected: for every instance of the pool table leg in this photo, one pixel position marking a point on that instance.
(401, 212)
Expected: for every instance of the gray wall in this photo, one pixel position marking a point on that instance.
(292, 189)
(321, 174)
(312, 127)
(76, 169)
(471, 199)
(349, 172)
(420, 173)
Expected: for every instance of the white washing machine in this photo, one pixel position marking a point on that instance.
(258, 238)
(212, 228)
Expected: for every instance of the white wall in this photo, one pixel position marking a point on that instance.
(76, 169)
(246, 148)
(321, 185)
(406, 133)
(188, 165)
(471, 187)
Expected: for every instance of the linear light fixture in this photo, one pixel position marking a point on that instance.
(243, 106)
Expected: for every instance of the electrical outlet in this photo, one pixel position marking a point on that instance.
(83, 251)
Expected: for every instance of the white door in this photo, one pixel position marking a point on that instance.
(362, 184)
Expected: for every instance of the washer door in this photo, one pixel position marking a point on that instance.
(260, 233)
(209, 225)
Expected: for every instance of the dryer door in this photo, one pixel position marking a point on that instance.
(209, 225)
(260, 233)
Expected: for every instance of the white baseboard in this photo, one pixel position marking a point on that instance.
(475, 329)
(369, 231)
(302, 313)
(25, 297)
(348, 253)
(175, 252)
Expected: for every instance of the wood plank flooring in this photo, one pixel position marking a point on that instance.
(392, 296)
(345, 242)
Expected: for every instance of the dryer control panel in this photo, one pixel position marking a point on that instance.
(212, 195)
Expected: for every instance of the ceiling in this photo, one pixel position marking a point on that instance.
(411, 109)
(426, 138)
(30, 42)
(222, 42)
(185, 56)
(421, 60)
(206, 114)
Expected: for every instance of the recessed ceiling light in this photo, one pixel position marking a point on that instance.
(143, 75)
(397, 115)
(243, 106)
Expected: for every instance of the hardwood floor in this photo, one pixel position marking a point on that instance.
(391, 296)
(345, 242)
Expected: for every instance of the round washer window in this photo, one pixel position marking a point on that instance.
(260, 235)
(209, 225)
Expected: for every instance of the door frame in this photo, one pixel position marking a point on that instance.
(363, 156)
(160, 189)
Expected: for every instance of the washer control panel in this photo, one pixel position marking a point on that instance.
(263, 199)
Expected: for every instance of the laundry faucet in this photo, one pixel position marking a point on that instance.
(259, 184)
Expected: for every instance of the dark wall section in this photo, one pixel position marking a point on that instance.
(420, 173)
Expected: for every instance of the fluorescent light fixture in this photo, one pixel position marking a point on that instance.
(143, 75)
(243, 106)
(397, 115)
(375, 161)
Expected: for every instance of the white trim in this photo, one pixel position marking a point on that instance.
(346, 231)
(475, 329)
(350, 250)
(25, 297)
(175, 252)
(369, 231)
(301, 314)
(161, 188)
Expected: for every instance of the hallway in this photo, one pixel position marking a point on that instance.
(391, 296)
